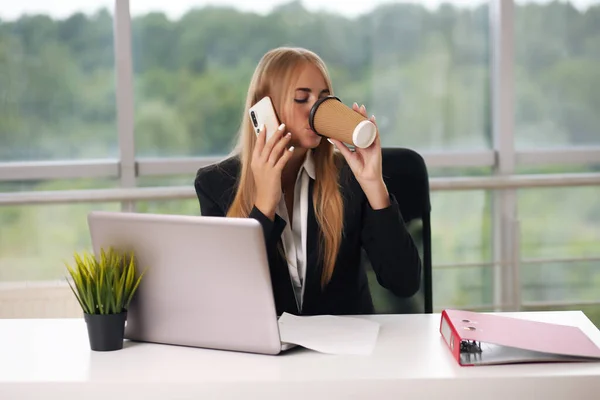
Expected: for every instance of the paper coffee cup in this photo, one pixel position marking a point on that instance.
(331, 118)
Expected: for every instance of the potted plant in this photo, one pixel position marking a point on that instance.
(104, 287)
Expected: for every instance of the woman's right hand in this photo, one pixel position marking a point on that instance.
(268, 160)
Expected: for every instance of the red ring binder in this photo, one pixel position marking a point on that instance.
(485, 339)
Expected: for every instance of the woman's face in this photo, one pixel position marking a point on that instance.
(309, 87)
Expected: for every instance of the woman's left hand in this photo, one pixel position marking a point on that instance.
(366, 166)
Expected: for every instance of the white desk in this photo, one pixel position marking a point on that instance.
(50, 359)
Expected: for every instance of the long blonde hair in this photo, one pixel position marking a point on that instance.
(273, 77)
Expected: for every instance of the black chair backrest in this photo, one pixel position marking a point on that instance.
(406, 177)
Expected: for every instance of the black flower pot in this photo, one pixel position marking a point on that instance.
(106, 331)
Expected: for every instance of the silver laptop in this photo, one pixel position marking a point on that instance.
(207, 282)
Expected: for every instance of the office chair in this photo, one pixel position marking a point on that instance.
(406, 177)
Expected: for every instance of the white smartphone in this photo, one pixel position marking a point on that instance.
(263, 113)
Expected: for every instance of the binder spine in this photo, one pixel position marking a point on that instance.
(466, 352)
(451, 336)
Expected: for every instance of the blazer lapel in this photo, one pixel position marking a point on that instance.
(313, 261)
(283, 289)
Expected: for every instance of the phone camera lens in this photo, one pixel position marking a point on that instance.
(254, 121)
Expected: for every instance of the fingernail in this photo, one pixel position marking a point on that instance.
(373, 116)
(355, 104)
(281, 127)
(288, 134)
(329, 140)
(291, 148)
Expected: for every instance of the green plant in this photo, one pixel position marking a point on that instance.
(105, 285)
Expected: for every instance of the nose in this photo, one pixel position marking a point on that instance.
(310, 103)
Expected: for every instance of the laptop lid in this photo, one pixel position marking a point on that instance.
(207, 282)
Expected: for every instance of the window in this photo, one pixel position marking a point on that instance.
(461, 249)
(423, 71)
(35, 241)
(422, 67)
(560, 232)
(57, 91)
(557, 72)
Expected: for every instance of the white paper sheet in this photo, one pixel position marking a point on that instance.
(330, 334)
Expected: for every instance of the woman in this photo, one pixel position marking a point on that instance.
(317, 207)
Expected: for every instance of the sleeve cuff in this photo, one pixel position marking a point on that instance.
(385, 215)
(272, 229)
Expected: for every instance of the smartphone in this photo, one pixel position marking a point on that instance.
(263, 113)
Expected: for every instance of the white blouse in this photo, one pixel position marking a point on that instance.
(294, 234)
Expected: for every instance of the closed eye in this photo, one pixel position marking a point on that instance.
(302, 90)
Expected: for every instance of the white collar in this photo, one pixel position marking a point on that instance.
(309, 164)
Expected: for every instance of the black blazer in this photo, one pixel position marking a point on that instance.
(382, 233)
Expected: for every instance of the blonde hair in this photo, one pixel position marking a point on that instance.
(273, 77)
